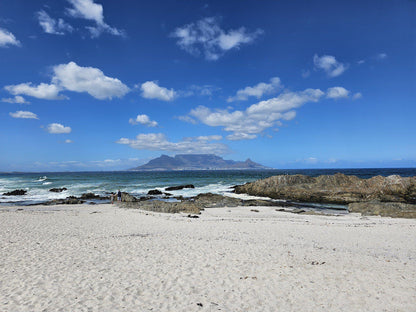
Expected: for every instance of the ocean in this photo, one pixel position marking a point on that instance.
(138, 184)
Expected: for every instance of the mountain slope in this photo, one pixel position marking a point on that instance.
(196, 162)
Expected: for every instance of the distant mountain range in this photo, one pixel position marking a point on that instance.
(197, 162)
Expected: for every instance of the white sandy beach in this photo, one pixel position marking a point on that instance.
(104, 258)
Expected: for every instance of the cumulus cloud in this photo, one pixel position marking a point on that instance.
(57, 128)
(257, 91)
(143, 120)
(42, 91)
(88, 79)
(329, 64)
(68, 141)
(17, 100)
(24, 115)
(7, 38)
(73, 78)
(89, 10)
(206, 37)
(159, 142)
(51, 25)
(337, 93)
(258, 117)
(151, 90)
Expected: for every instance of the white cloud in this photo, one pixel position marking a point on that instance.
(42, 91)
(337, 93)
(151, 90)
(381, 56)
(257, 117)
(357, 96)
(68, 141)
(207, 38)
(57, 128)
(17, 99)
(144, 120)
(329, 64)
(24, 114)
(209, 138)
(52, 26)
(159, 142)
(7, 38)
(73, 78)
(241, 136)
(205, 90)
(88, 79)
(89, 10)
(257, 91)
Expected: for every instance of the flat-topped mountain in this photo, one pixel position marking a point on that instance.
(197, 162)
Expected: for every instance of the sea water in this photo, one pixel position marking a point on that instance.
(138, 184)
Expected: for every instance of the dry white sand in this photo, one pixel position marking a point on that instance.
(102, 258)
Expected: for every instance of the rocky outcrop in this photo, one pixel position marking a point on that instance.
(126, 197)
(373, 208)
(162, 206)
(15, 193)
(337, 189)
(58, 190)
(195, 204)
(71, 200)
(179, 187)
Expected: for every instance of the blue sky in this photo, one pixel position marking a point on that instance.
(104, 85)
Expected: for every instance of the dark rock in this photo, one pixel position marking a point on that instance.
(90, 196)
(15, 193)
(179, 187)
(58, 190)
(154, 192)
(126, 197)
(71, 200)
(167, 194)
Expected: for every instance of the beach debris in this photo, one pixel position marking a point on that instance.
(254, 210)
(200, 304)
(298, 211)
(15, 193)
(192, 216)
(317, 262)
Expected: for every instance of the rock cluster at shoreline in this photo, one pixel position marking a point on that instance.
(393, 196)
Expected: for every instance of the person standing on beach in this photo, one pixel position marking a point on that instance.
(119, 195)
(112, 195)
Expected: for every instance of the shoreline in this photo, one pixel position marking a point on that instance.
(106, 258)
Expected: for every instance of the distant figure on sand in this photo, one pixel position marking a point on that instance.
(112, 195)
(119, 195)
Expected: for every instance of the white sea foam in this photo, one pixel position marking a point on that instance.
(41, 179)
(46, 183)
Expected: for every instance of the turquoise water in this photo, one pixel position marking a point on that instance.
(139, 183)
